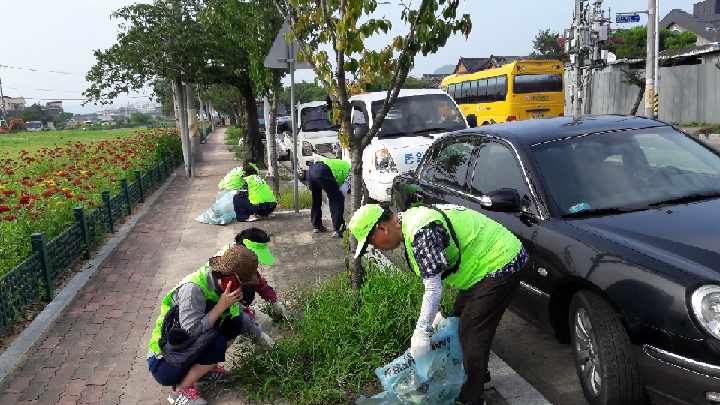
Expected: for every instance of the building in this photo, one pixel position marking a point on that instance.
(703, 22)
(13, 104)
(472, 65)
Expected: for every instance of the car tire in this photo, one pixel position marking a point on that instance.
(604, 361)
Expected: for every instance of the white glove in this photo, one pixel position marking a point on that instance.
(265, 340)
(420, 344)
(438, 319)
(280, 309)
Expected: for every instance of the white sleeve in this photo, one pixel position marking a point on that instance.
(431, 303)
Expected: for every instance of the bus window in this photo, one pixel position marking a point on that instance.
(492, 89)
(472, 93)
(502, 88)
(465, 93)
(524, 84)
(482, 91)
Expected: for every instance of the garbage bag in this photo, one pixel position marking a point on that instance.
(222, 211)
(434, 379)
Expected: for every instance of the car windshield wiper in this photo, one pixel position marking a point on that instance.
(435, 129)
(392, 134)
(597, 212)
(694, 197)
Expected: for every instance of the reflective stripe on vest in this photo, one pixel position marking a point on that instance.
(340, 169)
(200, 279)
(258, 190)
(486, 245)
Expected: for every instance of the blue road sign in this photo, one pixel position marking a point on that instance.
(627, 18)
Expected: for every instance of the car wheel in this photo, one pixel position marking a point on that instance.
(603, 357)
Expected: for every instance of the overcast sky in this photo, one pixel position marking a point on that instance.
(60, 36)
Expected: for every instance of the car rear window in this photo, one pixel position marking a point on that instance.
(524, 84)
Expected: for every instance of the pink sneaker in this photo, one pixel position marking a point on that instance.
(186, 396)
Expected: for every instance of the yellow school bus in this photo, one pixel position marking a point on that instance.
(521, 90)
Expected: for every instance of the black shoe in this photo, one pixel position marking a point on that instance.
(322, 229)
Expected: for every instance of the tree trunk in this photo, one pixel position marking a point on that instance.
(356, 187)
(181, 101)
(194, 130)
(638, 100)
(272, 136)
(252, 131)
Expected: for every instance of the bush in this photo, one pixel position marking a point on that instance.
(286, 198)
(332, 354)
(233, 135)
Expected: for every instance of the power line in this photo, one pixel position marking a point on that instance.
(29, 69)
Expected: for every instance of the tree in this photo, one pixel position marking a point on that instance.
(158, 40)
(632, 43)
(332, 38)
(546, 45)
(34, 113)
(137, 119)
(304, 93)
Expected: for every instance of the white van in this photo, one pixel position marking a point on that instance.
(34, 126)
(317, 136)
(414, 122)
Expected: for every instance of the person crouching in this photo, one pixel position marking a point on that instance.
(199, 320)
(257, 200)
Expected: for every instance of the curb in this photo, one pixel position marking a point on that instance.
(514, 389)
(17, 350)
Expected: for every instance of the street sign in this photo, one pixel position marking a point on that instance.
(281, 51)
(627, 18)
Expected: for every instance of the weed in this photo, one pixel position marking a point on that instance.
(286, 198)
(342, 338)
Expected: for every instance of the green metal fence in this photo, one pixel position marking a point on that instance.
(33, 280)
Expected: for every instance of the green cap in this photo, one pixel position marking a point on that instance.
(362, 223)
(261, 250)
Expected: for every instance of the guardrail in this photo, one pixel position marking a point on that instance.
(34, 279)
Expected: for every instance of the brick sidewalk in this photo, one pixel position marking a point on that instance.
(96, 351)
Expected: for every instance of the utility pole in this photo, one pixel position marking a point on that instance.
(651, 66)
(2, 100)
(582, 41)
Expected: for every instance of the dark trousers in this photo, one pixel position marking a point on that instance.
(320, 179)
(480, 310)
(244, 208)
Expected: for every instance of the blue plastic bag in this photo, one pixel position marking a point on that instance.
(433, 379)
(222, 211)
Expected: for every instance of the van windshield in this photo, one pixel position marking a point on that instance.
(421, 114)
(316, 119)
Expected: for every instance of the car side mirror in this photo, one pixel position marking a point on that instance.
(503, 200)
(472, 120)
(360, 130)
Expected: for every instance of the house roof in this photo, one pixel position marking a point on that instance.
(473, 65)
(697, 25)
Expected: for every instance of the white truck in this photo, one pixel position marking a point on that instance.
(317, 136)
(414, 122)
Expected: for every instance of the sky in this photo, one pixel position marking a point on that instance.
(54, 36)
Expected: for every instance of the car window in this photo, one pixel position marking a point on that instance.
(449, 164)
(496, 168)
(358, 118)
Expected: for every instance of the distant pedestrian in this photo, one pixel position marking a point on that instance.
(333, 177)
(257, 200)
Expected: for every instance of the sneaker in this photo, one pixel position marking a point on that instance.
(186, 396)
(337, 234)
(217, 374)
(252, 218)
(322, 229)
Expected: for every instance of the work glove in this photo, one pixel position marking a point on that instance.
(438, 319)
(420, 344)
(265, 340)
(280, 309)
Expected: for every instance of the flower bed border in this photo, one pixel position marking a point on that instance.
(34, 279)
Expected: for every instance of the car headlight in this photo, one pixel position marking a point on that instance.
(384, 161)
(307, 149)
(705, 303)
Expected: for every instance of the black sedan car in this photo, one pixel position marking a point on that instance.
(621, 216)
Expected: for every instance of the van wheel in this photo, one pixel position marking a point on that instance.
(603, 358)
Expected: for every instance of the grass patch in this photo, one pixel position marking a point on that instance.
(286, 198)
(12, 144)
(332, 354)
(233, 135)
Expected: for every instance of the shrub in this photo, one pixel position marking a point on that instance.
(332, 354)
(286, 198)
